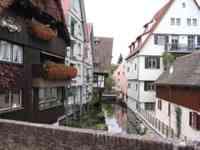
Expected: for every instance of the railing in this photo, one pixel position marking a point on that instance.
(161, 127)
(181, 47)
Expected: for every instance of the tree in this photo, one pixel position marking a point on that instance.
(120, 59)
(168, 59)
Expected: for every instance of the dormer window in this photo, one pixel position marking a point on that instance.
(183, 5)
(172, 21)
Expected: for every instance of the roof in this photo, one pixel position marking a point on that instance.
(149, 31)
(103, 54)
(184, 72)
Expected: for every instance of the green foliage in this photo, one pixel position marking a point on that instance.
(109, 83)
(108, 109)
(178, 120)
(168, 59)
(93, 119)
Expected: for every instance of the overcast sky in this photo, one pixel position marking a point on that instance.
(122, 20)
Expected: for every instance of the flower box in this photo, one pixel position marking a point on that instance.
(41, 31)
(5, 4)
(59, 72)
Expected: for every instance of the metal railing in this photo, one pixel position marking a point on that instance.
(158, 125)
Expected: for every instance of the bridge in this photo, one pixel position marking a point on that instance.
(27, 136)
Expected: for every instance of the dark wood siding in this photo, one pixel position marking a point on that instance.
(185, 96)
(56, 46)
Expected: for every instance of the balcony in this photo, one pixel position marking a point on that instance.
(181, 48)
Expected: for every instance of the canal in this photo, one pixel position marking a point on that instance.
(113, 118)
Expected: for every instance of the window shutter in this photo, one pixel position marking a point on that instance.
(195, 117)
(158, 62)
(190, 119)
(146, 62)
(155, 39)
(166, 39)
(198, 122)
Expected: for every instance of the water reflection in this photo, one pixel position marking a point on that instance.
(120, 120)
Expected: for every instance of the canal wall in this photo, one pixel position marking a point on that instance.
(25, 136)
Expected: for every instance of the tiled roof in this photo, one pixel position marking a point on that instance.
(148, 32)
(184, 72)
(103, 54)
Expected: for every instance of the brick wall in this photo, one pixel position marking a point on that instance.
(25, 136)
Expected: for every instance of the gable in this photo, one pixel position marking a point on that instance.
(180, 9)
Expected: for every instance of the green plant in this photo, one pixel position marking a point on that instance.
(178, 120)
(168, 59)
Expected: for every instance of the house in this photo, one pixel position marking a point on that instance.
(102, 60)
(32, 56)
(173, 29)
(79, 54)
(178, 94)
(121, 82)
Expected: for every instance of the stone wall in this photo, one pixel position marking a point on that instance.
(25, 136)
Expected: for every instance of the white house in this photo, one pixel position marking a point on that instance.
(175, 29)
(80, 52)
(178, 94)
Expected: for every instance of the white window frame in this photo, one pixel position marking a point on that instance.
(10, 52)
(10, 107)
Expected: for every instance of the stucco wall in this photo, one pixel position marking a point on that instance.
(24, 136)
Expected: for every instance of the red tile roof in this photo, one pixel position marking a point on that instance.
(155, 22)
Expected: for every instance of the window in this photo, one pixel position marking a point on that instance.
(10, 99)
(189, 22)
(135, 66)
(160, 104)
(191, 41)
(150, 106)
(160, 39)
(136, 87)
(194, 120)
(76, 5)
(50, 97)
(128, 69)
(194, 22)
(129, 85)
(73, 27)
(172, 21)
(183, 5)
(178, 21)
(11, 52)
(198, 40)
(149, 86)
(152, 62)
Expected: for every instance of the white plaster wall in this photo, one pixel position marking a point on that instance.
(145, 96)
(133, 92)
(186, 130)
(133, 73)
(177, 11)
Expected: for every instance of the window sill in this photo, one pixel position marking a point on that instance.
(11, 110)
(50, 107)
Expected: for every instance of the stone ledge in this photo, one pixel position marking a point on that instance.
(22, 135)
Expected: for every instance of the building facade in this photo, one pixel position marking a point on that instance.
(32, 56)
(168, 31)
(121, 82)
(81, 51)
(102, 61)
(177, 102)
